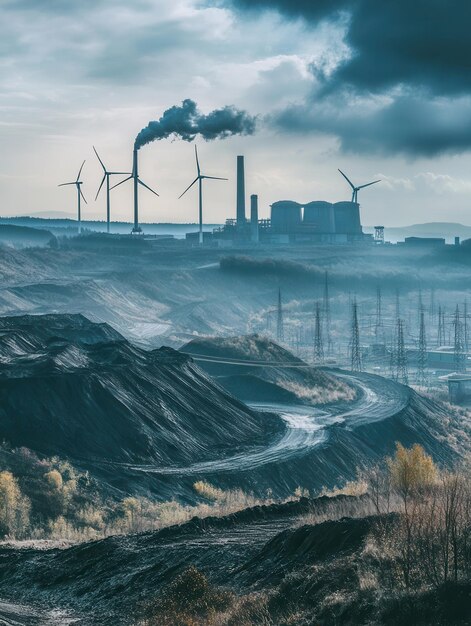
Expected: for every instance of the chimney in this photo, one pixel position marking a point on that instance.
(136, 229)
(240, 191)
(254, 218)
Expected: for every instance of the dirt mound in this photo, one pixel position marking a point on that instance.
(256, 369)
(77, 389)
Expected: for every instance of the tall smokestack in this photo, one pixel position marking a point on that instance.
(240, 191)
(254, 218)
(135, 174)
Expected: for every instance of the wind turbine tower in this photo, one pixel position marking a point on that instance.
(356, 189)
(106, 177)
(80, 196)
(199, 179)
(137, 230)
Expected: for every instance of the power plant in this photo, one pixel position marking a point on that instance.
(317, 221)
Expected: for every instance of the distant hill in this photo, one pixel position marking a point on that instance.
(448, 230)
(62, 224)
(24, 236)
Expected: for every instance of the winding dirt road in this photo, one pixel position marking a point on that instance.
(305, 427)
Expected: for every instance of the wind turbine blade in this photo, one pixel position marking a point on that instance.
(98, 157)
(347, 179)
(64, 184)
(214, 178)
(146, 186)
(122, 181)
(83, 197)
(197, 161)
(80, 171)
(101, 185)
(189, 187)
(368, 184)
(120, 173)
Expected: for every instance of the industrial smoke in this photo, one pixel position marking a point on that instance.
(187, 122)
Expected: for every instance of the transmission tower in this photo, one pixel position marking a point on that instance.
(422, 354)
(459, 353)
(327, 316)
(465, 327)
(431, 310)
(280, 333)
(318, 343)
(401, 357)
(398, 305)
(441, 326)
(355, 340)
(379, 315)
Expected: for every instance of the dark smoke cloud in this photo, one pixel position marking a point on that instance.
(186, 122)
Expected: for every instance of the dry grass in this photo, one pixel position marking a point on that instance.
(321, 394)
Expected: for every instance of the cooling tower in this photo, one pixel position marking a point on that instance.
(320, 216)
(285, 216)
(347, 218)
(240, 191)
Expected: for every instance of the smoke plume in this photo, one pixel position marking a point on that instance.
(186, 122)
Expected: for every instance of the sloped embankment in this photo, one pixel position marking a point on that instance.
(256, 369)
(73, 388)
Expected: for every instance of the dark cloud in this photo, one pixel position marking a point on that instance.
(416, 53)
(309, 9)
(423, 42)
(410, 124)
(418, 42)
(186, 122)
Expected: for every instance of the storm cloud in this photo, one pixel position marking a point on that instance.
(415, 55)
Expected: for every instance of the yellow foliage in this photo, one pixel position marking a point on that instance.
(209, 491)
(14, 507)
(411, 469)
(54, 480)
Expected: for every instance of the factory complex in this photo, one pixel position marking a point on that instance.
(290, 222)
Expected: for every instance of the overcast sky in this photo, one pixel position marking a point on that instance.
(377, 89)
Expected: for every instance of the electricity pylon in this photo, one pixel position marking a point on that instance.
(280, 333)
(318, 343)
(401, 357)
(459, 354)
(356, 365)
(422, 354)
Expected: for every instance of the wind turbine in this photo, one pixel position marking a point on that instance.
(106, 176)
(199, 179)
(80, 195)
(137, 181)
(355, 190)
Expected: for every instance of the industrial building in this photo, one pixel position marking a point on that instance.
(291, 222)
